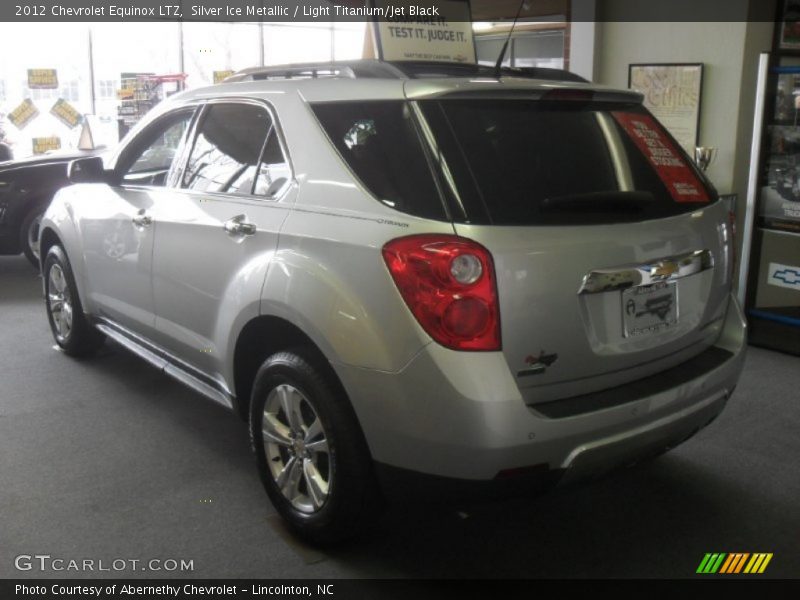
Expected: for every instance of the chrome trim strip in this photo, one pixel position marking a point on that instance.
(665, 269)
(193, 382)
(163, 363)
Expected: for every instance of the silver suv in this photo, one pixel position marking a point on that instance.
(408, 268)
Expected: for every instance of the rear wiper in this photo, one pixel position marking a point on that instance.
(599, 202)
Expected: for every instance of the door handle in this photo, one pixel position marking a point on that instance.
(142, 219)
(239, 225)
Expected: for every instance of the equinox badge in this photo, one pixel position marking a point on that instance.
(537, 364)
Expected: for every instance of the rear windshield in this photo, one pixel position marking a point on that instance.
(523, 162)
(517, 162)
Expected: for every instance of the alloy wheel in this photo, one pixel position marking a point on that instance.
(59, 302)
(296, 447)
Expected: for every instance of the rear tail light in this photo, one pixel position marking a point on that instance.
(449, 284)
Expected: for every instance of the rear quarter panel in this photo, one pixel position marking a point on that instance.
(328, 276)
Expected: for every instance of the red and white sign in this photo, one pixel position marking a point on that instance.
(677, 175)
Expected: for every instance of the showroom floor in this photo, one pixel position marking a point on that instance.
(108, 459)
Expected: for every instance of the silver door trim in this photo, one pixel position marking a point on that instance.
(165, 362)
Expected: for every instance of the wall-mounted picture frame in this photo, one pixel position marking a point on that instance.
(673, 93)
(790, 25)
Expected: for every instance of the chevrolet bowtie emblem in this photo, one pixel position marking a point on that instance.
(664, 269)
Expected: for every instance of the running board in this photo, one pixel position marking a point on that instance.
(165, 365)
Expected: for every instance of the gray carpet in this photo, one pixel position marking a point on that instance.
(108, 459)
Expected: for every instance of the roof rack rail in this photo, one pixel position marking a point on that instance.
(358, 69)
(377, 69)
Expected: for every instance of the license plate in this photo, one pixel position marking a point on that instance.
(648, 309)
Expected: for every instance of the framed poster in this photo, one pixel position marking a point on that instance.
(790, 25)
(672, 93)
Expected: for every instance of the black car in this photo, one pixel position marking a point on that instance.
(26, 188)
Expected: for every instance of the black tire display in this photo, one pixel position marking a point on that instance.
(29, 235)
(72, 332)
(311, 453)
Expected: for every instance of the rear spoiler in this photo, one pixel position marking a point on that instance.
(515, 89)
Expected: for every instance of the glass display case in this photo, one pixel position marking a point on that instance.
(773, 287)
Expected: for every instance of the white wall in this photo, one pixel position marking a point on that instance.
(729, 52)
(719, 46)
(583, 39)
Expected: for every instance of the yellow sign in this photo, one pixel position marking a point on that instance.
(46, 144)
(23, 114)
(66, 113)
(42, 79)
(220, 76)
(427, 30)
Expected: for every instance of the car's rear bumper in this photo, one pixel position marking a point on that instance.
(460, 415)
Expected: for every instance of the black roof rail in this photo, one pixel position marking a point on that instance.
(357, 69)
(377, 69)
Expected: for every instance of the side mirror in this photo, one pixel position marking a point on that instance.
(87, 170)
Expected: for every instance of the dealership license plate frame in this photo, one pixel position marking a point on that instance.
(649, 309)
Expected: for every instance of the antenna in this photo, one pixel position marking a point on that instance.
(499, 65)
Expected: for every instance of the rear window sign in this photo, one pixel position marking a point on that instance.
(647, 134)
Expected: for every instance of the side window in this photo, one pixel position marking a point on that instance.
(227, 153)
(274, 173)
(379, 142)
(155, 150)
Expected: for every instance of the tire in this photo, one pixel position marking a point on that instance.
(70, 328)
(29, 235)
(329, 492)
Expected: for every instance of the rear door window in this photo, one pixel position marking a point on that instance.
(526, 162)
(273, 173)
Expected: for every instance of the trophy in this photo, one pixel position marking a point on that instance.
(704, 156)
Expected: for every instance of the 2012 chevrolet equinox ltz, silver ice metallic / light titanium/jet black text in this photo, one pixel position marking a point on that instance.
(425, 268)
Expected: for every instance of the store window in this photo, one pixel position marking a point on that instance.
(129, 48)
(297, 42)
(348, 40)
(544, 48)
(122, 52)
(37, 94)
(63, 47)
(107, 88)
(218, 47)
(71, 91)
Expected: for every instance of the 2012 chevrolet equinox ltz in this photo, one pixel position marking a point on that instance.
(445, 270)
